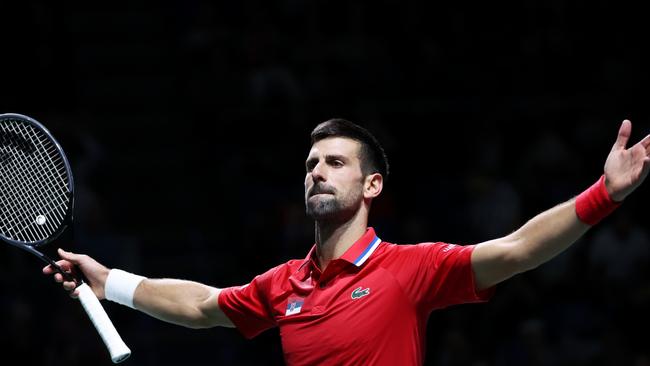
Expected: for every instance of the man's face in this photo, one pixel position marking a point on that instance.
(334, 181)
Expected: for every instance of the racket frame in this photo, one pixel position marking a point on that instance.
(67, 220)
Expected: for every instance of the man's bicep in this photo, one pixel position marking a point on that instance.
(495, 261)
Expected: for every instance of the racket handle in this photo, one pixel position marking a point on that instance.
(116, 346)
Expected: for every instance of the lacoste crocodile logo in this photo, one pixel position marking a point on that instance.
(359, 293)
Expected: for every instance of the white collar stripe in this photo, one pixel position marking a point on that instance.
(366, 253)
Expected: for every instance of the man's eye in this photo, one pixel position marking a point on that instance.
(337, 163)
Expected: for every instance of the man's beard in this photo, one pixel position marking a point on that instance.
(330, 208)
(324, 209)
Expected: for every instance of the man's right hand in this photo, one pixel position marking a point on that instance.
(187, 303)
(94, 272)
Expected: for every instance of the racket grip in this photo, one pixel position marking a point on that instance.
(116, 346)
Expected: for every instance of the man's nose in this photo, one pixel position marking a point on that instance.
(318, 173)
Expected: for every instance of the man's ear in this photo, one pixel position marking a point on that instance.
(373, 185)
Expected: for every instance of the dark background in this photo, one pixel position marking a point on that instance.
(188, 123)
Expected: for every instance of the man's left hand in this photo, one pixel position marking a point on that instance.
(626, 169)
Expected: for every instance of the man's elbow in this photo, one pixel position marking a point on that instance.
(199, 321)
(213, 320)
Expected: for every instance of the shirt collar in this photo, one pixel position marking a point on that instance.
(361, 250)
(357, 254)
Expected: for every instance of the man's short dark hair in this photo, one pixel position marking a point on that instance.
(372, 155)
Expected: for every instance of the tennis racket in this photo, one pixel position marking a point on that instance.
(36, 203)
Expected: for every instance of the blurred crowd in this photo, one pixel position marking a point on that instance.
(187, 124)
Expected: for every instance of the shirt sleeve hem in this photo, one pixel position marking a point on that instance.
(483, 295)
(239, 323)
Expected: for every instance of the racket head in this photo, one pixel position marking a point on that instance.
(37, 196)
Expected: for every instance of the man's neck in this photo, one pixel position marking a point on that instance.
(334, 239)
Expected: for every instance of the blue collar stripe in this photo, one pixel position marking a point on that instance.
(366, 253)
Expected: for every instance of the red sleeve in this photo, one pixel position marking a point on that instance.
(248, 306)
(440, 275)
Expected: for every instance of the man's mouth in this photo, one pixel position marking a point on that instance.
(315, 192)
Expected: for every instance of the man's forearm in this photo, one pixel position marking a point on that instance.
(546, 235)
(540, 239)
(181, 302)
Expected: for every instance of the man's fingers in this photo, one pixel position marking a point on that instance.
(69, 285)
(646, 143)
(64, 264)
(67, 263)
(624, 133)
(74, 258)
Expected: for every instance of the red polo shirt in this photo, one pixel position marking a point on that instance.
(369, 307)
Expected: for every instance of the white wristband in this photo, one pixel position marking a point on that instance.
(120, 286)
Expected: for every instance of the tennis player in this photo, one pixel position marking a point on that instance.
(355, 299)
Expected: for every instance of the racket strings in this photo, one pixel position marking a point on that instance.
(29, 212)
(22, 180)
(53, 172)
(26, 217)
(58, 167)
(24, 214)
(43, 196)
(36, 179)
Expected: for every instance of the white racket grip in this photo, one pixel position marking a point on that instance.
(116, 346)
